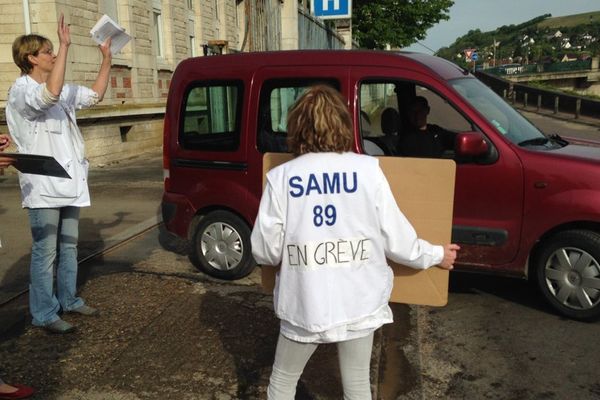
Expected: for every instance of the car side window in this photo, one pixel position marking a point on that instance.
(441, 113)
(277, 96)
(379, 117)
(211, 117)
(403, 118)
(432, 126)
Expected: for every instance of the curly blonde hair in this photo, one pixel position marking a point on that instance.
(319, 121)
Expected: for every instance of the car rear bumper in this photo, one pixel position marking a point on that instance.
(177, 213)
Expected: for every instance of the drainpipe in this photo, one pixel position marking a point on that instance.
(26, 17)
(247, 8)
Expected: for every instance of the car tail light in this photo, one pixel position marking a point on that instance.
(166, 156)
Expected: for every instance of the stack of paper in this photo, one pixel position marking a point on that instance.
(105, 28)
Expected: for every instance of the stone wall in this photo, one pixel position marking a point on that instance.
(120, 83)
(140, 77)
(219, 21)
(111, 140)
(10, 28)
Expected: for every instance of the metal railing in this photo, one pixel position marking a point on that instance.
(541, 99)
(514, 69)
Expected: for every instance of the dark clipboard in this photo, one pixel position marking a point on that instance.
(37, 164)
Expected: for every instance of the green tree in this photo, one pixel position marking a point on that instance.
(398, 23)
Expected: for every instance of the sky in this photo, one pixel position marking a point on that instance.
(487, 15)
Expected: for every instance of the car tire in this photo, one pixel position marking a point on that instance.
(567, 270)
(221, 246)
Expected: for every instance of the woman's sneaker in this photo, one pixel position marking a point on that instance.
(85, 310)
(59, 326)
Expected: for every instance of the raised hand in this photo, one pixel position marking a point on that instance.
(105, 48)
(64, 32)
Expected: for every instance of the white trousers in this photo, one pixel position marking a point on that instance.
(291, 358)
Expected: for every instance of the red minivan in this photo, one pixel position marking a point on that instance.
(526, 204)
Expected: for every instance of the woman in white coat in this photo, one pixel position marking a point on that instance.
(40, 113)
(329, 219)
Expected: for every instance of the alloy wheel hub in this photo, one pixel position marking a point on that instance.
(221, 246)
(574, 278)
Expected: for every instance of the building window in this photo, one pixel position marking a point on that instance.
(190, 4)
(192, 52)
(158, 33)
(109, 7)
(191, 38)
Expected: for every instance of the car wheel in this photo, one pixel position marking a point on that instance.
(221, 246)
(568, 273)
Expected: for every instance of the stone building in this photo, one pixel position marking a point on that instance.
(164, 32)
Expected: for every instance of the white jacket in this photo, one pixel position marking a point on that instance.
(40, 123)
(331, 220)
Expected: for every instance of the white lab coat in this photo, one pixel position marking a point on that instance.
(330, 220)
(41, 125)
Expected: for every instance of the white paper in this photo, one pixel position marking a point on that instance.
(105, 28)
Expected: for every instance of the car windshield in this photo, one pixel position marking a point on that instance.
(500, 114)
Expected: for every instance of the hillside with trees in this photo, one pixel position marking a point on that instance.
(542, 39)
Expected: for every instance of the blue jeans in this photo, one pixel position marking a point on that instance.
(55, 232)
(354, 357)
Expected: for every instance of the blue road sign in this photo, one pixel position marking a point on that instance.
(474, 56)
(331, 9)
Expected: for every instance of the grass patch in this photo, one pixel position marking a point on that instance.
(570, 20)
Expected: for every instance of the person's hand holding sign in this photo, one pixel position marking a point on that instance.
(449, 256)
(4, 143)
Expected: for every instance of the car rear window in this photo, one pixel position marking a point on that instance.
(211, 116)
(277, 97)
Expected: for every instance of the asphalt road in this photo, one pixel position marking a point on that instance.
(497, 339)
(585, 129)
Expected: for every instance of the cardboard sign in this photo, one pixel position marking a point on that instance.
(424, 191)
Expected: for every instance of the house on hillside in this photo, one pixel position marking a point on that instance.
(566, 57)
(587, 38)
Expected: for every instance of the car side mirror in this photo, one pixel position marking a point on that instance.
(471, 144)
